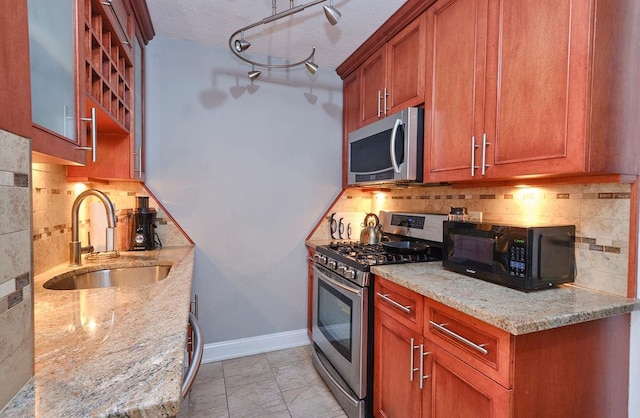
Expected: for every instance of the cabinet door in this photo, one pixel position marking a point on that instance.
(55, 110)
(454, 389)
(538, 122)
(455, 89)
(373, 78)
(396, 392)
(351, 116)
(405, 67)
(138, 162)
(15, 102)
(310, 253)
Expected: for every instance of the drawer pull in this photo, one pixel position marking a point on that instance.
(463, 340)
(406, 309)
(423, 376)
(411, 365)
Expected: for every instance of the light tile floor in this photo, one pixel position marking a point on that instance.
(279, 384)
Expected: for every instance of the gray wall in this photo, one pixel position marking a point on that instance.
(246, 170)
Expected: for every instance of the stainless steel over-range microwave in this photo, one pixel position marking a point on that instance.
(390, 150)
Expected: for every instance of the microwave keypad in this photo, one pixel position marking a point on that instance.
(517, 263)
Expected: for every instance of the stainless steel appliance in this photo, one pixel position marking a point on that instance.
(390, 150)
(342, 327)
(525, 258)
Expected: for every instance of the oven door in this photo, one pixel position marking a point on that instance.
(340, 323)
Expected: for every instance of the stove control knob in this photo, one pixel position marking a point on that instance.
(342, 269)
(349, 273)
(321, 258)
(332, 264)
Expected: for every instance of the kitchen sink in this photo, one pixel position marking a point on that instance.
(127, 276)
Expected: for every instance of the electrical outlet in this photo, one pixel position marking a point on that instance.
(474, 216)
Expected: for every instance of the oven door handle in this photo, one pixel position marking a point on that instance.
(340, 285)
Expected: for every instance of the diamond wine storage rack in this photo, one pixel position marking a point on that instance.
(108, 66)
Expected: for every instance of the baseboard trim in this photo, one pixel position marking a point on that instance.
(254, 345)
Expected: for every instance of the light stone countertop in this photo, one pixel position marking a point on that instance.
(115, 351)
(514, 311)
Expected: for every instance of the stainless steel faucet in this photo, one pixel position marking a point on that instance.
(75, 248)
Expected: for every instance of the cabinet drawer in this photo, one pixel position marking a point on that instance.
(480, 345)
(404, 305)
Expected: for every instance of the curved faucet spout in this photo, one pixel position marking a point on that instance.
(75, 249)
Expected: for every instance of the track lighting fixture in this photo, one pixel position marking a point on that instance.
(253, 74)
(239, 45)
(311, 67)
(333, 15)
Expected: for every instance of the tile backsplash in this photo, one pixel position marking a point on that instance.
(16, 276)
(600, 213)
(53, 197)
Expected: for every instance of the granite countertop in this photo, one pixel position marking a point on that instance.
(115, 351)
(511, 310)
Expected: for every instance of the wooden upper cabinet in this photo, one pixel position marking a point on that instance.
(456, 51)
(405, 67)
(351, 115)
(15, 102)
(57, 109)
(113, 84)
(531, 88)
(536, 116)
(372, 75)
(393, 77)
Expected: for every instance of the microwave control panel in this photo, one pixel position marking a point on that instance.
(517, 257)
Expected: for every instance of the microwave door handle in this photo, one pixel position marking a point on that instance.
(392, 147)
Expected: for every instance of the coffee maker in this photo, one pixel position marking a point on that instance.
(143, 225)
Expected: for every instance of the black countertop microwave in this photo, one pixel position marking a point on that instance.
(525, 258)
(390, 150)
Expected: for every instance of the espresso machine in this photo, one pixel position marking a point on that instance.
(143, 225)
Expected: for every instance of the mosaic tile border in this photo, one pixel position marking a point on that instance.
(488, 196)
(12, 291)
(12, 179)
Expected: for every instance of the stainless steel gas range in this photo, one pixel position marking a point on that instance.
(342, 326)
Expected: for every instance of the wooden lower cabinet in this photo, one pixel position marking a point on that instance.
(579, 370)
(310, 253)
(396, 391)
(453, 389)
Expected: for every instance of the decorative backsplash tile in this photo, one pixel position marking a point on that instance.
(600, 213)
(53, 197)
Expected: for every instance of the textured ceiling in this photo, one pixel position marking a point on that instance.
(211, 22)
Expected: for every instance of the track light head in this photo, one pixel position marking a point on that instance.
(254, 75)
(332, 14)
(311, 67)
(241, 44)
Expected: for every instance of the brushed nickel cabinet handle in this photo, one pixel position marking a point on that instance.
(484, 153)
(473, 156)
(385, 100)
(422, 356)
(400, 306)
(198, 343)
(477, 347)
(93, 120)
(412, 367)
